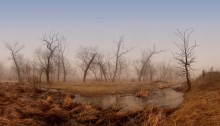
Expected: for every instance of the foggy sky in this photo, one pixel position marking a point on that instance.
(100, 23)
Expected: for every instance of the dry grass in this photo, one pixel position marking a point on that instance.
(201, 105)
(102, 88)
(200, 108)
(20, 108)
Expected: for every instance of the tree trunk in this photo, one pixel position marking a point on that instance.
(64, 70)
(48, 70)
(141, 72)
(58, 74)
(18, 70)
(87, 68)
(188, 79)
(41, 72)
(116, 69)
(58, 69)
(104, 74)
(96, 78)
(48, 76)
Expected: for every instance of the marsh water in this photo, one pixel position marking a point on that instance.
(167, 98)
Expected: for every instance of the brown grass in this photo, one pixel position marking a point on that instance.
(23, 108)
(19, 107)
(89, 89)
(201, 105)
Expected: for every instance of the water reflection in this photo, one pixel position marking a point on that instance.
(167, 98)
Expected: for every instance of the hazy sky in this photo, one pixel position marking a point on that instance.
(143, 23)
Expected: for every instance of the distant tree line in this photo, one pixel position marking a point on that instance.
(51, 60)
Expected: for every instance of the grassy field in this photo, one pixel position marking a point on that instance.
(101, 88)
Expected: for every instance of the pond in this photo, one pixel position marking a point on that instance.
(167, 98)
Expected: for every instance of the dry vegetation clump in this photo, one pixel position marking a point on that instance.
(143, 93)
(68, 101)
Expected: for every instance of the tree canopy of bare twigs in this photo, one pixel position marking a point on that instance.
(51, 42)
(60, 59)
(120, 51)
(87, 56)
(15, 49)
(145, 61)
(186, 55)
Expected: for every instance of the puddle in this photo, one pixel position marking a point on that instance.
(124, 102)
(167, 98)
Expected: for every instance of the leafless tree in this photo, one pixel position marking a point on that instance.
(110, 70)
(15, 49)
(51, 42)
(145, 62)
(186, 55)
(122, 67)
(120, 51)
(62, 49)
(40, 57)
(87, 56)
(30, 70)
(102, 64)
(165, 72)
(57, 62)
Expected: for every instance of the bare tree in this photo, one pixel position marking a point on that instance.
(57, 61)
(14, 49)
(110, 69)
(51, 42)
(165, 72)
(102, 63)
(120, 51)
(186, 55)
(29, 70)
(87, 56)
(62, 49)
(145, 61)
(40, 57)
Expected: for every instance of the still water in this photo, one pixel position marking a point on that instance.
(167, 98)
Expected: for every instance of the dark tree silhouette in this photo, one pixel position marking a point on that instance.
(14, 49)
(186, 55)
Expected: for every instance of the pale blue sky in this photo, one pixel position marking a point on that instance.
(144, 23)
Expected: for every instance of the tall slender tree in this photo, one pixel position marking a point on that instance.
(15, 49)
(186, 55)
(120, 51)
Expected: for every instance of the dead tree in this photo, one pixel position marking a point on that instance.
(51, 42)
(120, 51)
(14, 49)
(146, 58)
(165, 72)
(87, 56)
(62, 49)
(186, 55)
(40, 57)
(57, 61)
(102, 66)
(29, 72)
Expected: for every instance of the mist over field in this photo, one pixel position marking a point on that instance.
(109, 63)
